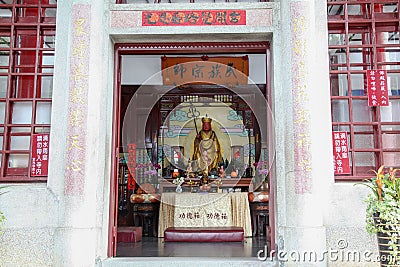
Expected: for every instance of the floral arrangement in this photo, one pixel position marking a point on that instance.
(218, 182)
(261, 167)
(2, 217)
(178, 181)
(148, 168)
(384, 205)
(151, 171)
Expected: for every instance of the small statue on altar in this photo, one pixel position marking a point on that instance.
(222, 172)
(189, 170)
(204, 179)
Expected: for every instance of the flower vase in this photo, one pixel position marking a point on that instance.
(263, 187)
(178, 189)
(388, 242)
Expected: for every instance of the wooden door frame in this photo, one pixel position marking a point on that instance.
(168, 49)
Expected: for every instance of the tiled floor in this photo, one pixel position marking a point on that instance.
(156, 247)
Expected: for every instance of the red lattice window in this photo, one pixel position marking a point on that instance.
(27, 41)
(364, 35)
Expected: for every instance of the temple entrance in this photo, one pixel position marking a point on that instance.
(192, 128)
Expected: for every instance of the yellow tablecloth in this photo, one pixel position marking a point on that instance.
(198, 209)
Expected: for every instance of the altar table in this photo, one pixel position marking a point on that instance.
(204, 210)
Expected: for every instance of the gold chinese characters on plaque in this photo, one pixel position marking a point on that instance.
(211, 70)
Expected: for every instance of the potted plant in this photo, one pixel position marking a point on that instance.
(2, 217)
(383, 214)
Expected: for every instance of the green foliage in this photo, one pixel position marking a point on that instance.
(2, 217)
(384, 203)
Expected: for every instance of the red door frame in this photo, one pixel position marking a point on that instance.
(162, 49)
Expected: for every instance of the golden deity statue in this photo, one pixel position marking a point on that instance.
(207, 149)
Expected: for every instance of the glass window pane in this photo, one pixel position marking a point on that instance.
(2, 112)
(337, 39)
(18, 161)
(394, 83)
(20, 142)
(354, 9)
(338, 59)
(46, 86)
(357, 81)
(390, 127)
(363, 128)
(4, 40)
(391, 113)
(22, 113)
(363, 140)
(43, 113)
(49, 41)
(359, 58)
(3, 86)
(334, 10)
(339, 84)
(342, 128)
(4, 60)
(365, 159)
(1, 142)
(20, 129)
(47, 62)
(358, 38)
(6, 12)
(340, 110)
(42, 129)
(391, 159)
(361, 111)
(387, 37)
(388, 8)
(390, 140)
(50, 12)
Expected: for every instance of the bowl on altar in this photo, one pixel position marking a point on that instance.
(258, 196)
(145, 198)
(205, 188)
(137, 198)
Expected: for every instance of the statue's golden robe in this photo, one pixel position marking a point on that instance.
(207, 151)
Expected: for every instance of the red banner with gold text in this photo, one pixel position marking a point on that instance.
(40, 154)
(194, 18)
(340, 153)
(377, 88)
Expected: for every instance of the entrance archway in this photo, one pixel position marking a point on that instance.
(151, 138)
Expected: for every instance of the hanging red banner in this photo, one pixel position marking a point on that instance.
(340, 153)
(131, 166)
(194, 18)
(40, 154)
(377, 88)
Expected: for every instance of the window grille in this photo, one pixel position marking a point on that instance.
(364, 35)
(27, 42)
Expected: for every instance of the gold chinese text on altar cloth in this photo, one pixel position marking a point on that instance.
(212, 70)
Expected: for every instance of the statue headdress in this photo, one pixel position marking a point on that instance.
(206, 119)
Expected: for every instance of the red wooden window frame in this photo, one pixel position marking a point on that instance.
(27, 38)
(358, 27)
